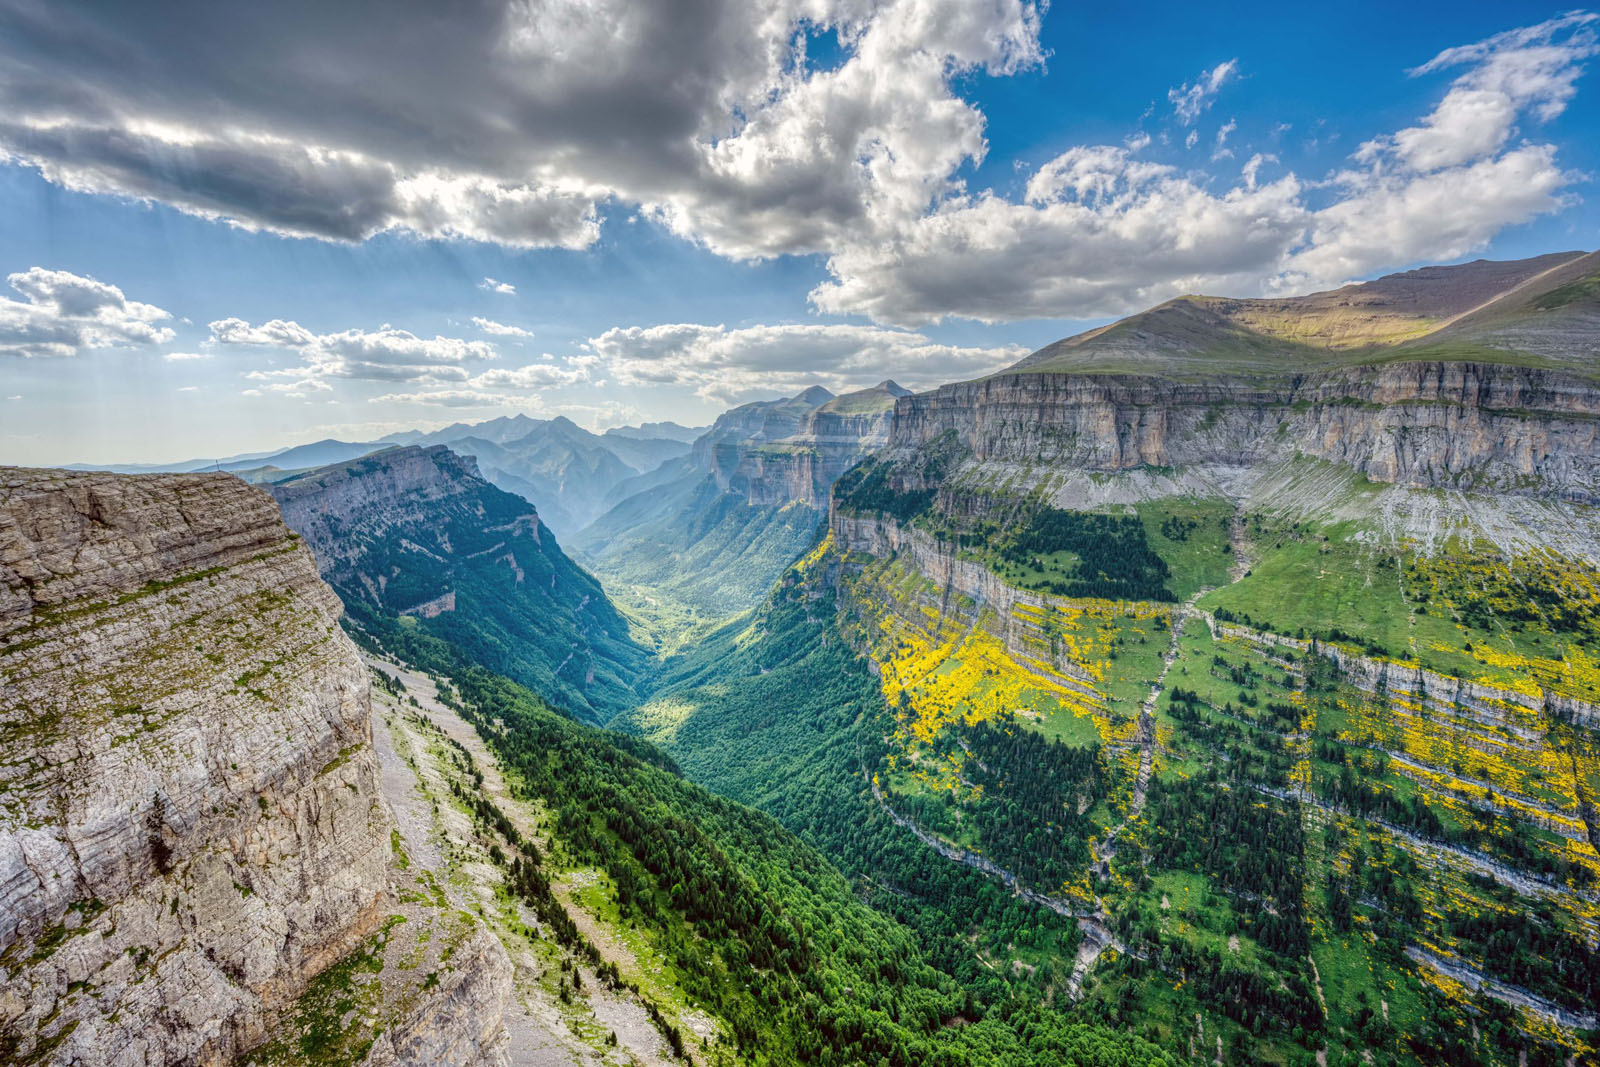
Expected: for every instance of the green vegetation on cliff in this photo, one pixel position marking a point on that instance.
(759, 928)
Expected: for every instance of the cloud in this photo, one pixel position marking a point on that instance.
(527, 122)
(1219, 149)
(512, 121)
(1189, 102)
(1530, 70)
(62, 314)
(503, 385)
(383, 355)
(451, 398)
(1103, 231)
(500, 329)
(727, 365)
(180, 357)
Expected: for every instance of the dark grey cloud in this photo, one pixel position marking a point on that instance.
(503, 120)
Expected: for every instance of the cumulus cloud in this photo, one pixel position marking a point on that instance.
(732, 364)
(499, 329)
(511, 121)
(1102, 231)
(63, 314)
(1533, 70)
(520, 122)
(384, 355)
(1190, 101)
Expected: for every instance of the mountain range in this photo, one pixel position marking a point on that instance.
(1215, 686)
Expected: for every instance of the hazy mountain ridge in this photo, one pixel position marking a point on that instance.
(557, 465)
(711, 532)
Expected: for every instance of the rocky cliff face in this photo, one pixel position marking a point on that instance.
(191, 828)
(1421, 425)
(804, 464)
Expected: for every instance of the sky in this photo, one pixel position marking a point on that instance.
(228, 228)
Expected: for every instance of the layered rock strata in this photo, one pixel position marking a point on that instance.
(191, 828)
(1417, 424)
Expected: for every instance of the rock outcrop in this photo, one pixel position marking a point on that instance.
(191, 828)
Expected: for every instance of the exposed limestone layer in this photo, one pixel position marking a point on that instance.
(342, 509)
(190, 822)
(829, 441)
(418, 531)
(1422, 425)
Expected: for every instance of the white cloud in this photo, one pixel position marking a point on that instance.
(452, 398)
(499, 329)
(1104, 232)
(180, 357)
(503, 385)
(1219, 149)
(518, 121)
(63, 314)
(728, 365)
(1190, 101)
(383, 355)
(1530, 70)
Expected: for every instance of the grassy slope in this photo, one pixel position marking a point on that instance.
(757, 927)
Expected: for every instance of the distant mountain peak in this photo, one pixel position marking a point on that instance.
(815, 396)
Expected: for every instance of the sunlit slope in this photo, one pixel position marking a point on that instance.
(1537, 312)
(1306, 771)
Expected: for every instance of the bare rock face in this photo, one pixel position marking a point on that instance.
(827, 441)
(1488, 427)
(191, 828)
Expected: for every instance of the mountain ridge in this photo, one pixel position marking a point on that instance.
(418, 531)
(1416, 314)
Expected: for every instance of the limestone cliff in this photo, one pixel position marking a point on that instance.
(829, 441)
(418, 531)
(1418, 424)
(191, 829)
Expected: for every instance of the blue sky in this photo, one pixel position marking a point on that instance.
(935, 189)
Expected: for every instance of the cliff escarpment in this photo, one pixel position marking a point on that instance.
(1426, 425)
(833, 438)
(417, 531)
(192, 834)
